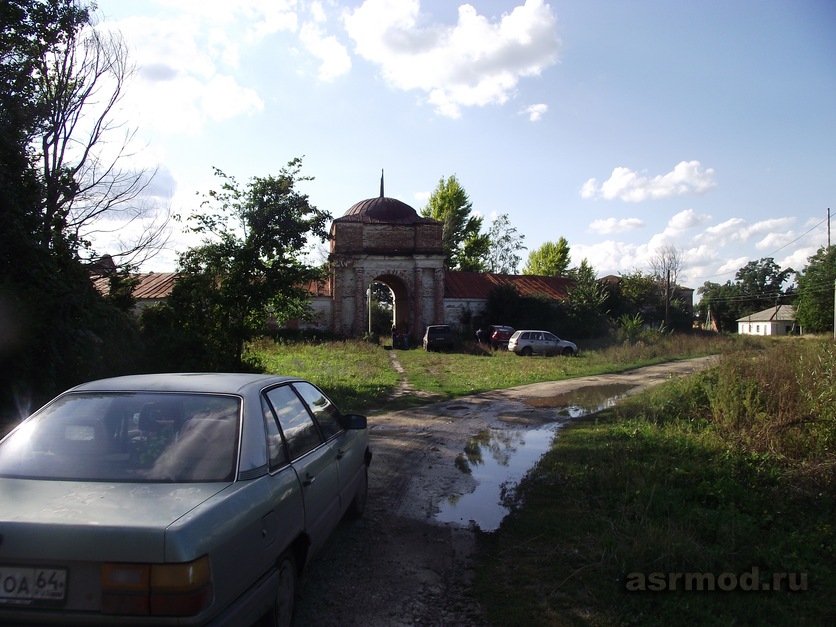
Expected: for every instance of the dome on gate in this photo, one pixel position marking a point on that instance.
(382, 210)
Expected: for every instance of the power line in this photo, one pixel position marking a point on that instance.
(772, 254)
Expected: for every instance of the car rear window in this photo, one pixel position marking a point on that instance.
(127, 437)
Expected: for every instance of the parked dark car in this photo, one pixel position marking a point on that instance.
(528, 342)
(500, 334)
(437, 337)
(186, 499)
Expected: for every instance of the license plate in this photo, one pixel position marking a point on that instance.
(27, 586)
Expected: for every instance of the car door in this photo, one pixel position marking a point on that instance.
(312, 459)
(537, 341)
(346, 446)
(551, 344)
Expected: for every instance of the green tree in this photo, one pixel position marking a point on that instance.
(250, 266)
(550, 259)
(463, 242)
(639, 291)
(57, 329)
(720, 303)
(505, 244)
(586, 300)
(814, 304)
(760, 284)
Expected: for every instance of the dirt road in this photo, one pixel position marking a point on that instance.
(398, 566)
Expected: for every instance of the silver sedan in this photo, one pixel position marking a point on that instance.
(184, 499)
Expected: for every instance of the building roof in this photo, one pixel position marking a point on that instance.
(480, 284)
(382, 210)
(152, 285)
(779, 313)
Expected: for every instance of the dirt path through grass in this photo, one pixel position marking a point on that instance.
(398, 566)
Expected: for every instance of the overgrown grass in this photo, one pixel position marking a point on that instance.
(360, 376)
(730, 471)
(357, 375)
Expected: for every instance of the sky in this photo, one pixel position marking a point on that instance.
(621, 126)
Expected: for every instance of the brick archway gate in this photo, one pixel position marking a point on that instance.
(383, 239)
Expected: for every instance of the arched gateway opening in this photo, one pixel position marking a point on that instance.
(385, 240)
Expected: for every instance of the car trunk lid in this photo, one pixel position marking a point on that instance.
(78, 521)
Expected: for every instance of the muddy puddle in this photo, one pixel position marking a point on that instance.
(498, 458)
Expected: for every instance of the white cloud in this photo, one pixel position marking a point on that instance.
(535, 112)
(774, 233)
(688, 177)
(332, 54)
(613, 225)
(687, 219)
(477, 62)
(701, 255)
(608, 257)
(183, 79)
(798, 259)
(731, 266)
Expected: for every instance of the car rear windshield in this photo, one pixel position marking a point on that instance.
(127, 437)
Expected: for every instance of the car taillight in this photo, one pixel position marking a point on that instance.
(157, 589)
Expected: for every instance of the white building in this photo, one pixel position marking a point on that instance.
(778, 320)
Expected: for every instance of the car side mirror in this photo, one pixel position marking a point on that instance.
(354, 421)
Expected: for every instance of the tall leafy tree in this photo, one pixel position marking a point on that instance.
(463, 242)
(505, 243)
(816, 285)
(550, 259)
(57, 330)
(250, 267)
(761, 284)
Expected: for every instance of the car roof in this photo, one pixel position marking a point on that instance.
(217, 382)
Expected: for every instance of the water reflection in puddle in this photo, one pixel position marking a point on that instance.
(585, 400)
(499, 458)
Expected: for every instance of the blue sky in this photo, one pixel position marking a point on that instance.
(621, 126)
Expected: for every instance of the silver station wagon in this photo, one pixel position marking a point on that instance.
(529, 342)
(164, 499)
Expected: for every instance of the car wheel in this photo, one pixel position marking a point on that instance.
(526, 351)
(358, 504)
(568, 352)
(284, 601)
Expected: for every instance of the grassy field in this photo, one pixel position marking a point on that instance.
(723, 480)
(360, 376)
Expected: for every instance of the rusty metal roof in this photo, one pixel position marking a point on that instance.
(151, 286)
(480, 284)
(382, 210)
(158, 285)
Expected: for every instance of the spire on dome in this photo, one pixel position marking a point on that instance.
(381, 182)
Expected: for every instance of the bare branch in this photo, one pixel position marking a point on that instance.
(89, 188)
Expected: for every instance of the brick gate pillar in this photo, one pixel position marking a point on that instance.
(359, 303)
(438, 296)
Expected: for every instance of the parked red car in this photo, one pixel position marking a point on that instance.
(500, 334)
